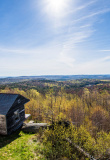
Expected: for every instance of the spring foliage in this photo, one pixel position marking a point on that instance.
(89, 114)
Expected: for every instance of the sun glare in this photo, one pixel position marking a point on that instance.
(56, 4)
(56, 7)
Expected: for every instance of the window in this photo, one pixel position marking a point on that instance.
(19, 101)
(16, 115)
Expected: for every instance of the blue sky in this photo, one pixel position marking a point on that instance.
(54, 37)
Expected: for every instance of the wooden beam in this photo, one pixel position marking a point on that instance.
(81, 150)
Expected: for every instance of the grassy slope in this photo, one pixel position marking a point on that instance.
(20, 146)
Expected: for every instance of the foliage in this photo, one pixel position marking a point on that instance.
(56, 146)
(85, 103)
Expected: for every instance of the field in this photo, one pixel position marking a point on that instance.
(20, 146)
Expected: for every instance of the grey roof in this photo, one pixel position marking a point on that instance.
(6, 102)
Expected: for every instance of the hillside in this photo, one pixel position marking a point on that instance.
(83, 103)
(20, 146)
(7, 80)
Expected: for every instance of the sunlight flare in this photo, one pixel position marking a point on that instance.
(56, 8)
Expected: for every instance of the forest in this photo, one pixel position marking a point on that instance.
(84, 104)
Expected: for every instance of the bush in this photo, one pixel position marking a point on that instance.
(55, 143)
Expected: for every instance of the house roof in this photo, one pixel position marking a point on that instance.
(7, 100)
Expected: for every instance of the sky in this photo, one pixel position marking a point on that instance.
(54, 37)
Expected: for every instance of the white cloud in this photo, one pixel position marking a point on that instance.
(97, 66)
(64, 58)
(93, 14)
(80, 7)
(106, 50)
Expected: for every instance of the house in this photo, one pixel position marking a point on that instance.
(12, 112)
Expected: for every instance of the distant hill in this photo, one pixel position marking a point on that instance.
(52, 77)
(74, 77)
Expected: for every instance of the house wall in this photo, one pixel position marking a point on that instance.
(12, 123)
(3, 128)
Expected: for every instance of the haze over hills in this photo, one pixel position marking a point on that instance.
(52, 77)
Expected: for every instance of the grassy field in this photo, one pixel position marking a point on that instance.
(20, 146)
